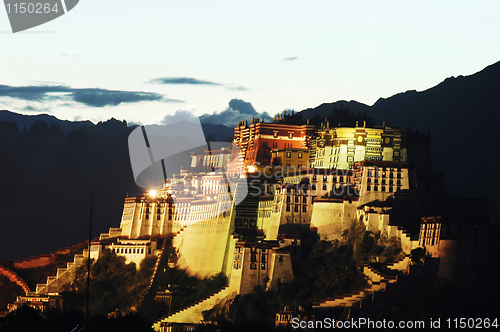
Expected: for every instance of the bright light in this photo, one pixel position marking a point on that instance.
(252, 169)
(152, 193)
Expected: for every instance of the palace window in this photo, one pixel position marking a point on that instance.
(288, 208)
(253, 266)
(304, 209)
(288, 154)
(296, 208)
(300, 154)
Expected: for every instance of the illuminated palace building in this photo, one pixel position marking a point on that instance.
(241, 209)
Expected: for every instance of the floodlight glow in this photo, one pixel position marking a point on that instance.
(152, 193)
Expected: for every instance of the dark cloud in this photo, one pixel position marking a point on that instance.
(291, 58)
(182, 80)
(242, 106)
(238, 110)
(102, 97)
(194, 81)
(89, 96)
(33, 93)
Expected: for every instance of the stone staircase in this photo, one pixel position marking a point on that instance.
(378, 279)
(63, 276)
(194, 312)
(386, 284)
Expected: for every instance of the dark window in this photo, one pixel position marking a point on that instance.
(158, 217)
(304, 199)
(296, 199)
(313, 187)
(253, 258)
(288, 199)
(368, 188)
(324, 187)
(262, 266)
(253, 266)
(280, 259)
(147, 216)
(287, 208)
(304, 209)
(375, 188)
(263, 258)
(296, 209)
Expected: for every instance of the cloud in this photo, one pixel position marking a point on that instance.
(291, 58)
(181, 115)
(238, 110)
(93, 97)
(195, 81)
(236, 87)
(182, 80)
(102, 97)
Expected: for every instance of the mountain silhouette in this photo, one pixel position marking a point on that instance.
(28, 120)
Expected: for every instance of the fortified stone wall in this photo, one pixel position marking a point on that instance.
(201, 247)
(332, 216)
